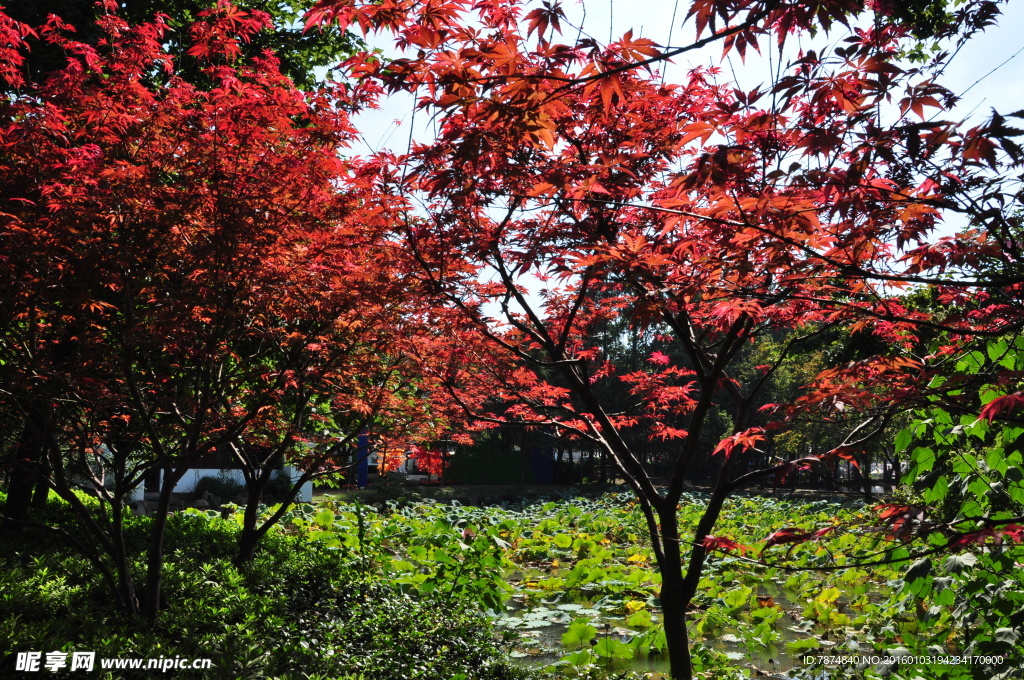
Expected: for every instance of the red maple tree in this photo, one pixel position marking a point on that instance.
(188, 271)
(711, 215)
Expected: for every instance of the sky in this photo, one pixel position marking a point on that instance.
(988, 71)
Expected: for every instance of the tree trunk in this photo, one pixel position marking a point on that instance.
(27, 457)
(20, 483)
(247, 542)
(250, 537)
(676, 635)
(256, 480)
(863, 468)
(42, 491)
(155, 554)
(674, 601)
(122, 563)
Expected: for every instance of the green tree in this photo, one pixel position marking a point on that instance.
(964, 507)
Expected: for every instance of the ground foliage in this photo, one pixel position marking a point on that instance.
(416, 590)
(967, 491)
(576, 579)
(325, 618)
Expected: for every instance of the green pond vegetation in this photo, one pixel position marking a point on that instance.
(562, 588)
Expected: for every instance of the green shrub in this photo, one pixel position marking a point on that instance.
(223, 486)
(299, 610)
(277, 489)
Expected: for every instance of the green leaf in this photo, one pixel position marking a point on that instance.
(955, 564)
(996, 349)
(579, 659)
(918, 570)
(613, 648)
(579, 633)
(828, 596)
(924, 458)
(1011, 434)
(801, 645)
(938, 491)
(1007, 635)
(971, 363)
(640, 619)
(996, 459)
(945, 598)
(324, 518)
(903, 439)
(738, 597)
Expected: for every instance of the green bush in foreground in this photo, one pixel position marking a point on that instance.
(299, 611)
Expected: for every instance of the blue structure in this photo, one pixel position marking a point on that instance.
(363, 460)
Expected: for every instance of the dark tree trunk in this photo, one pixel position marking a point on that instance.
(155, 554)
(252, 531)
(250, 536)
(26, 470)
(20, 484)
(863, 473)
(122, 563)
(42, 490)
(673, 600)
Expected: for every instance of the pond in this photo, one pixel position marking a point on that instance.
(575, 580)
(768, 628)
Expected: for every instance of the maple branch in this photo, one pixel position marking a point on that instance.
(847, 443)
(577, 304)
(683, 330)
(709, 385)
(145, 411)
(633, 470)
(837, 567)
(505, 420)
(972, 331)
(511, 289)
(306, 476)
(953, 539)
(570, 82)
(539, 331)
(842, 266)
(665, 56)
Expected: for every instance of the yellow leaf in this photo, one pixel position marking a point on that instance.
(635, 606)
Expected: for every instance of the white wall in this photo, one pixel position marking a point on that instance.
(190, 479)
